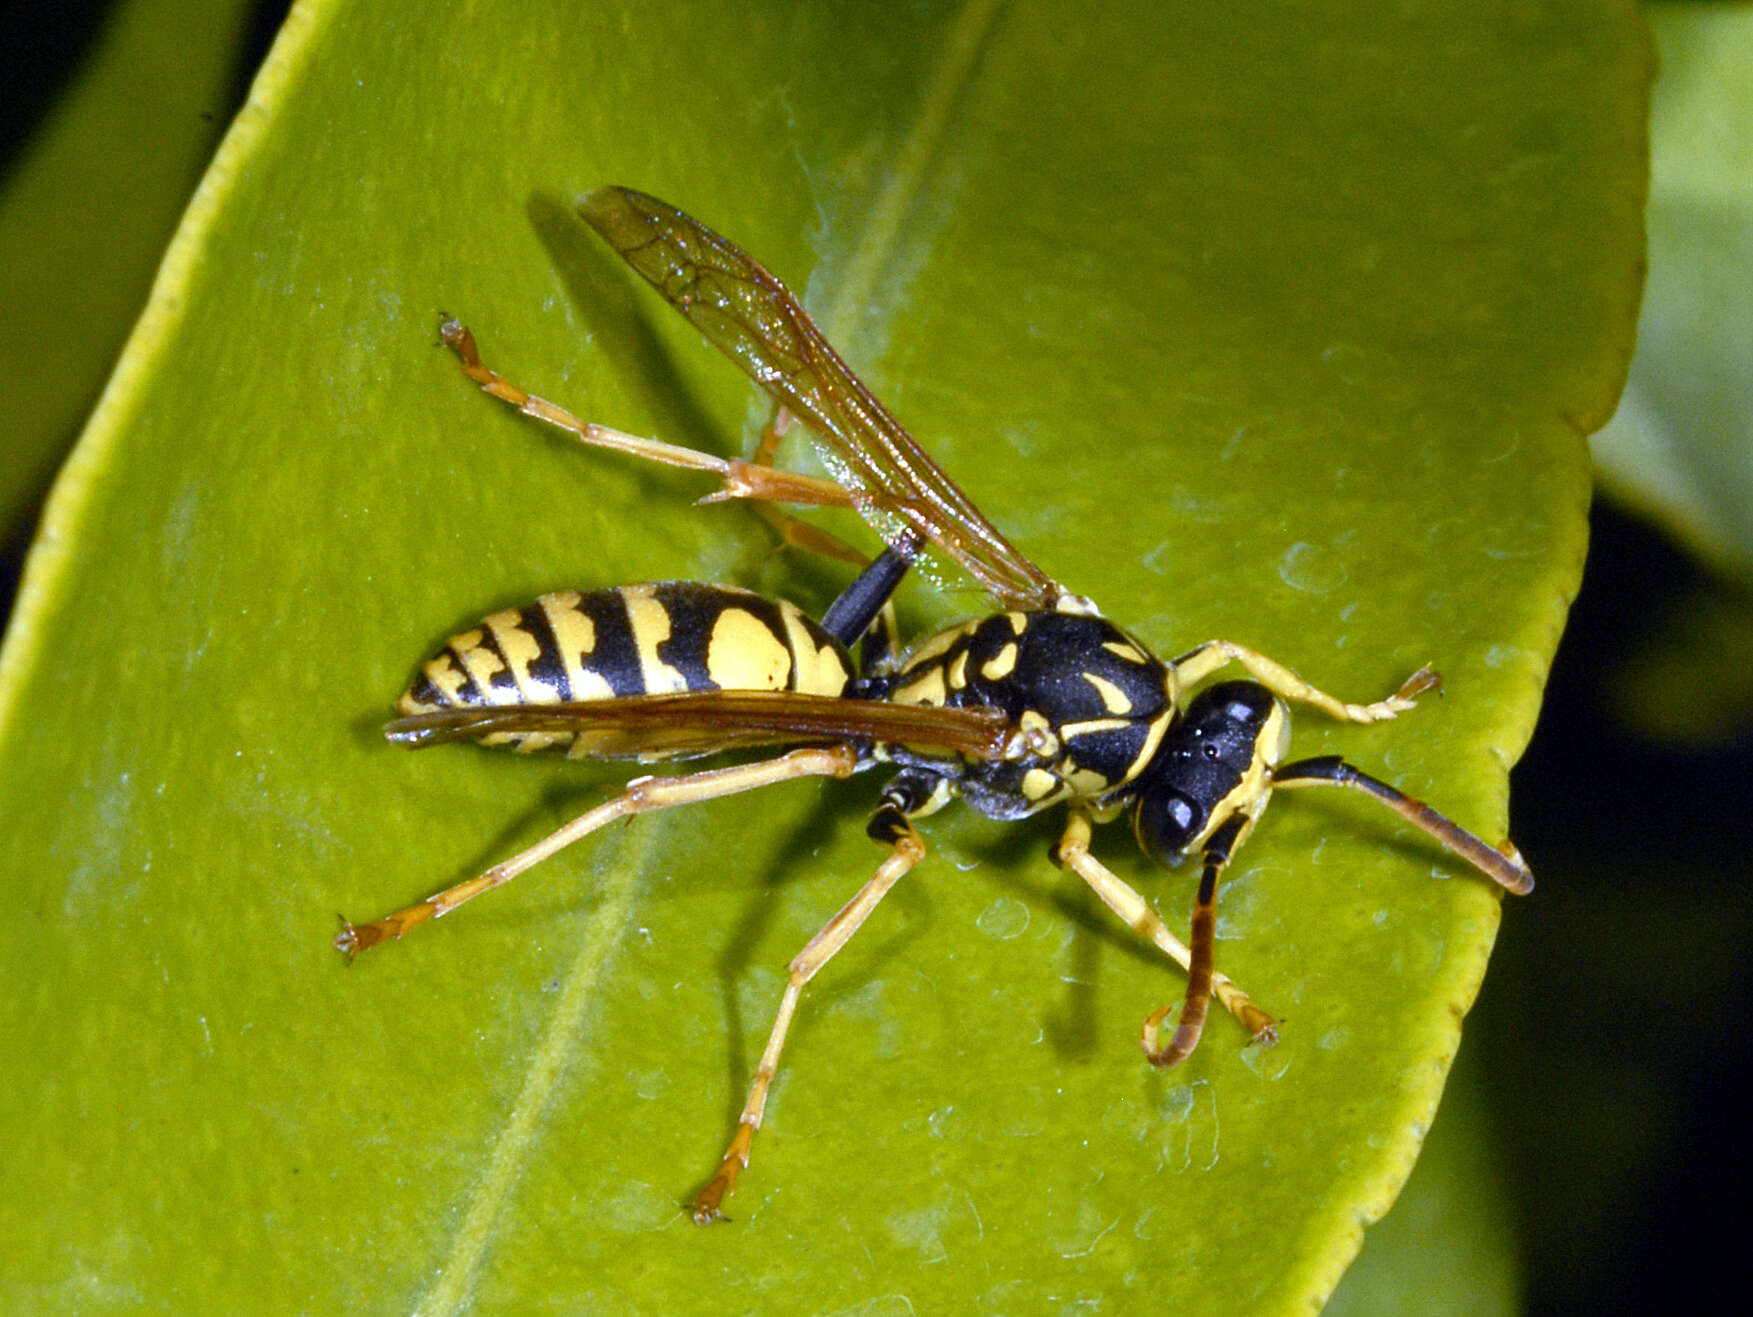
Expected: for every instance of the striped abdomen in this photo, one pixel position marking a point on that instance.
(633, 640)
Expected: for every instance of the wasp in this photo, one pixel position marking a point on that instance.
(1043, 703)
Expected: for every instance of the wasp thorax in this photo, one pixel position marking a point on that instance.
(1088, 703)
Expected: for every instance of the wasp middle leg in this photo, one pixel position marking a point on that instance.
(913, 793)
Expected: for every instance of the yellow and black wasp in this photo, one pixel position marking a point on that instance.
(1043, 703)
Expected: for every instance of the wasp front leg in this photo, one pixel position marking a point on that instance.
(1073, 853)
(1197, 664)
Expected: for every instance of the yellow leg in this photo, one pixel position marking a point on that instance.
(906, 851)
(1197, 664)
(739, 479)
(639, 797)
(1073, 852)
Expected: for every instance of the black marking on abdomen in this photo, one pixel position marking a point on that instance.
(503, 680)
(548, 668)
(694, 612)
(468, 690)
(427, 695)
(616, 656)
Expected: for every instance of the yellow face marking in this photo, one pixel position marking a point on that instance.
(1125, 650)
(1001, 664)
(650, 623)
(743, 654)
(1114, 700)
(817, 670)
(576, 635)
(1249, 796)
(1038, 784)
(1275, 736)
(521, 651)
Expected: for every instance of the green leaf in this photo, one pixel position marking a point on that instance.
(1281, 327)
(1449, 1245)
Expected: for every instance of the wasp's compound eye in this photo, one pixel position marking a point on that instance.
(1166, 820)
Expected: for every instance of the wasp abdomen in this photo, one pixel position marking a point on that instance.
(651, 639)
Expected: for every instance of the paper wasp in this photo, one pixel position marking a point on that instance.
(1042, 703)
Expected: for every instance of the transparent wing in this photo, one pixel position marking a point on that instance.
(756, 321)
(704, 722)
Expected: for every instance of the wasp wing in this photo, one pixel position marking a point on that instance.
(705, 722)
(752, 317)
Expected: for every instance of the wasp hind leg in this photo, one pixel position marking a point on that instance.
(792, 532)
(848, 619)
(639, 797)
(739, 479)
(912, 794)
(758, 480)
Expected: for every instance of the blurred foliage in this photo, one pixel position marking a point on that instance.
(88, 203)
(1680, 451)
(1607, 1035)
